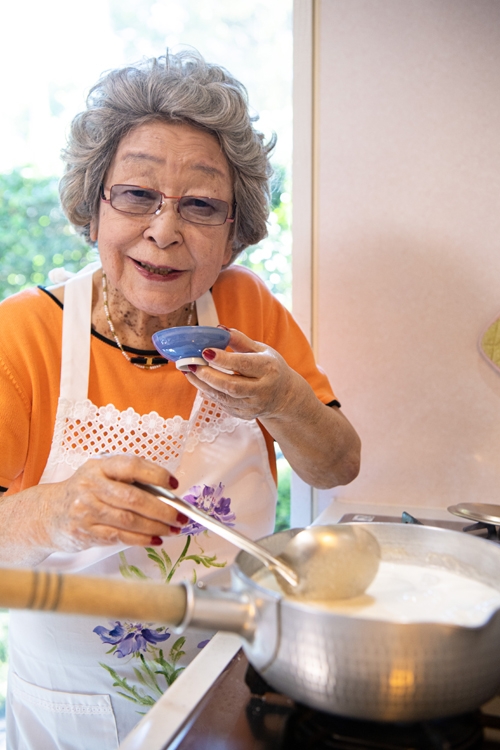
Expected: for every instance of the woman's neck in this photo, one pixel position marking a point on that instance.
(133, 327)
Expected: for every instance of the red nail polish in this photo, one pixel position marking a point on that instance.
(156, 541)
(224, 327)
(192, 368)
(173, 482)
(181, 518)
(209, 354)
(175, 530)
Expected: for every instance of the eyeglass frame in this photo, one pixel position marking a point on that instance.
(177, 198)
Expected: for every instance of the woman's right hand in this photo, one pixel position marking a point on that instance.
(98, 505)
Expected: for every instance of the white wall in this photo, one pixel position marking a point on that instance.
(405, 250)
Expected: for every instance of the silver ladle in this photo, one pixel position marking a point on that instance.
(320, 562)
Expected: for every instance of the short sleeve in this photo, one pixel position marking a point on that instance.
(286, 336)
(29, 378)
(15, 425)
(244, 302)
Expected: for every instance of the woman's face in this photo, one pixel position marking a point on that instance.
(159, 263)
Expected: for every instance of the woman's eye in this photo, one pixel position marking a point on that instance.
(140, 196)
(200, 206)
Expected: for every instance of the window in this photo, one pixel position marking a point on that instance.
(52, 52)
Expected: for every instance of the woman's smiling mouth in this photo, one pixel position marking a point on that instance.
(152, 270)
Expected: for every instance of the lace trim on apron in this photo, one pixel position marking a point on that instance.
(83, 430)
(208, 422)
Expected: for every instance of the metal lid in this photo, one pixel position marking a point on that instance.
(477, 512)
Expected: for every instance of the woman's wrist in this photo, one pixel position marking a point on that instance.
(319, 443)
(24, 540)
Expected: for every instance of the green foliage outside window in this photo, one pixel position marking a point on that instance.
(283, 505)
(34, 233)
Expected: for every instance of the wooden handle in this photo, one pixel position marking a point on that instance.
(54, 592)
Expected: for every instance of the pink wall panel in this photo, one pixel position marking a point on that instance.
(408, 253)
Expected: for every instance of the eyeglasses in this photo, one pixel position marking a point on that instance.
(133, 199)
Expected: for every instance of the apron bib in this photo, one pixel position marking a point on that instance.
(76, 683)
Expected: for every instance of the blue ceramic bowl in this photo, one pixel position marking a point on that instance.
(184, 345)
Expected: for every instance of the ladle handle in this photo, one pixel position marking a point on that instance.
(54, 592)
(226, 532)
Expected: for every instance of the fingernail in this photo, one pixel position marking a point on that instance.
(181, 518)
(173, 482)
(224, 327)
(209, 354)
(175, 530)
(156, 541)
(192, 368)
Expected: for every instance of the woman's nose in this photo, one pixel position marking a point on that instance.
(164, 227)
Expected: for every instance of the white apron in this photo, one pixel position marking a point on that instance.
(61, 667)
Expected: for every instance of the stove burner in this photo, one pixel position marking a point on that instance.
(481, 528)
(492, 531)
(301, 728)
(312, 729)
(256, 684)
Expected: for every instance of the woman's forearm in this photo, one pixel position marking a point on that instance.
(318, 442)
(99, 504)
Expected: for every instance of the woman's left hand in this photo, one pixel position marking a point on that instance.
(317, 440)
(259, 384)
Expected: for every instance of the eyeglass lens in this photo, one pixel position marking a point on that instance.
(131, 199)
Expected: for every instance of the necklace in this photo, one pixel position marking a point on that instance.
(149, 360)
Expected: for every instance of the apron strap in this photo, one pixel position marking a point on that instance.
(75, 359)
(205, 310)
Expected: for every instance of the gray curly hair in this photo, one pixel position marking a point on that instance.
(179, 87)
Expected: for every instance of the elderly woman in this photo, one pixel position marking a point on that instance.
(165, 172)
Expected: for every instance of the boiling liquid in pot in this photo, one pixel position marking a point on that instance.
(403, 593)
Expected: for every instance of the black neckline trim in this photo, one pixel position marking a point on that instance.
(334, 403)
(52, 296)
(140, 353)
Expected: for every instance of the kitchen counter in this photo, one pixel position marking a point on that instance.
(167, 718)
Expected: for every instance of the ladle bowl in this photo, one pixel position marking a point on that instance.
(332, 562)
(319, 563)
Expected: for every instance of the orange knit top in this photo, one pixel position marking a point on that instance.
(30, 364)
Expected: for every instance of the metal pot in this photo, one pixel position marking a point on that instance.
(363, 668)
(336, 663)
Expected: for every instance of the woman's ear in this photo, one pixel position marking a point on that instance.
(94, 225)
(228, 252)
